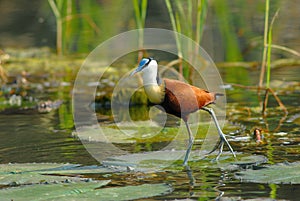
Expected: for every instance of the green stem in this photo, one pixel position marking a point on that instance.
(140, 15)
(58, 26)
(263, 65)
(173, 22)
(270, 49)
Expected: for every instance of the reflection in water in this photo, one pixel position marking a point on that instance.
(39, 138)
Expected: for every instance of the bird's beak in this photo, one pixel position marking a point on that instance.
(134, 72)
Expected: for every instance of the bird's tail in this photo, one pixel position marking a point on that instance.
(218, 94)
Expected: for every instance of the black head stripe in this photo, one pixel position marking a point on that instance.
(149, 60)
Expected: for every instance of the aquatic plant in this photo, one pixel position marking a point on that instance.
(229, 34)
(56, 7)
(268, 45)
(266, 60)
(78, 23)
(182, 19)
(140, 10)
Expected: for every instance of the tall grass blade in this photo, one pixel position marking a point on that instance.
(263, 63)
(140, 16)
(270, 50)
(174, 26)
(56, 7)
(137, 13)
(144, 12)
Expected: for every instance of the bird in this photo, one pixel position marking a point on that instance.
(179, 99)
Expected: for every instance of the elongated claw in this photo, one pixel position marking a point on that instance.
(221, 134)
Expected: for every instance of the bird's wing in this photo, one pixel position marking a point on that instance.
(184, 98)
(204, 97)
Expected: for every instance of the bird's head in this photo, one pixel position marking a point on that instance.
(145, 64)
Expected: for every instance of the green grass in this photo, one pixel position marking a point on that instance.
(183, 16)
(140, 10)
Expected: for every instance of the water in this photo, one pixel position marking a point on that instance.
(29, 137)
(38, 138)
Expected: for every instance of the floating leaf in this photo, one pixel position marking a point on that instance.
(78, 170)
(123, 193)
(251, 199)
(83, 191)
(49, 191)
(149, 161)
(29, 167)
(280, 173)
(32, 173)
(33, 178)
(92, 134)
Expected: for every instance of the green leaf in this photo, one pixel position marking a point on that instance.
(124, 193)
(149, 161)
(287, 173)
(34, 173)
(83, 191)
(49, 191)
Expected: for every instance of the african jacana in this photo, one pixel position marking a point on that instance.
(179, 99)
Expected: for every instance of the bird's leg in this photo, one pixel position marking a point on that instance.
(221, 150)
(222, 136)
(189, 173)
(191, 141)
(218, 146)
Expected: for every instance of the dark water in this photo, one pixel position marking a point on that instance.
(38, 138)
(47, 137)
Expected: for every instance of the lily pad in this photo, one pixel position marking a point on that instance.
(33, 178)
(84, 191)
(29, 167)
(152, 161)
(49, 191)
(282, 173)
(92, 134)
(78, 170)
(124, 193)
(251, 199)
(33, 173)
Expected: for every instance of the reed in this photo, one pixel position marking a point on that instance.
(78, 31)
(140, 10)
(269, 50)
(266, 61)
(266, 27)
(229, 35)
(183, 16)
(177, 29)
(56, 7)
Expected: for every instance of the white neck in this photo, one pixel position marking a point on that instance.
(149, 75)
(154, 92)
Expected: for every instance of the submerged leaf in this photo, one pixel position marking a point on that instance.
(280, 173)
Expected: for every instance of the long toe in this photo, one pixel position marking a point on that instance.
(220, 150)
(223, 138)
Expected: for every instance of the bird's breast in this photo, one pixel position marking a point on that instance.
(155, 93)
